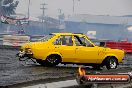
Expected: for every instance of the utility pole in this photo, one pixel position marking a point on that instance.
(60, 11)
(61, 17)
(43, 9)
(43, 17)
(28, 9)
(73, 8)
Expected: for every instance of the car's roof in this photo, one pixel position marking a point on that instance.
(67, 33)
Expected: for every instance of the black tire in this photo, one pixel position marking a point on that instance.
(111, 63)
(53, 60)
(41, 62)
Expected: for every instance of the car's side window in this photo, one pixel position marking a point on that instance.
(57, 41)
(64, 40)
(67, 40)
(78, 42)
(87, 43)
(81, 41)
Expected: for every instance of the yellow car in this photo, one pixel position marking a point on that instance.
(72, 48)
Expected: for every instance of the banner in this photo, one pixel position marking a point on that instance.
(9, 20)
(91, 78)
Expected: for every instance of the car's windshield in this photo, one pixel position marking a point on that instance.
(46, 38)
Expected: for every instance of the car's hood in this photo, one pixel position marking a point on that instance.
(109, 49)
(115, 50)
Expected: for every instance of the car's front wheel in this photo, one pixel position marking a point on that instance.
(53, 60)
(111, 63)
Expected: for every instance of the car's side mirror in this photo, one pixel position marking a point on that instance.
(102, 44)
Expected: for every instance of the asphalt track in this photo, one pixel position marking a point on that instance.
(14, 73)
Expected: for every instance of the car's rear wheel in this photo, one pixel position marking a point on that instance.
(53, 60)
(111, 63)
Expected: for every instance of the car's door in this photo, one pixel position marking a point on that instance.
(64, 45)
(86, 52)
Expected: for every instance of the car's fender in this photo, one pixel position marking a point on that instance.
(107, 55)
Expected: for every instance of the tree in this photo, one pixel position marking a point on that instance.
(8, 7)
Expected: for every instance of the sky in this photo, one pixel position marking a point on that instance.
(94, 7)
